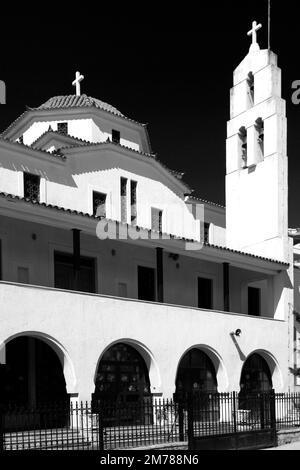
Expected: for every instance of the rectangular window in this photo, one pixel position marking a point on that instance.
(99, 204)
(133, 186)
(64, 277)
(31, 187)
(156, 219)
(205, 293)
(116, 136)
(146, 284)
(254, 301)
(124, 200)
(62, 128)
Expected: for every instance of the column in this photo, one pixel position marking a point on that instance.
(160, 274)
(76, 257)
(226, 287)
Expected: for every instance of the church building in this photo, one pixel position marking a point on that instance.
(116, 281)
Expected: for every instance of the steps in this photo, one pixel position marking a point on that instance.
(50, 439)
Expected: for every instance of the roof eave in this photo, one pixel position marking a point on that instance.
(84, 220)
(148, 158)
(23, 122)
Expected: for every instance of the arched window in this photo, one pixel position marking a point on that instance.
(250, 83)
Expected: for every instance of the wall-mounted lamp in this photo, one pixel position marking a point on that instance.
(238, 332)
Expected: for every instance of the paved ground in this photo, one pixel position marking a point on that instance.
(292, 446)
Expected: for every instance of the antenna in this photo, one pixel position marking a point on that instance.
(269, 25)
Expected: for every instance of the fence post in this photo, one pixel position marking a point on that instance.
(273, 410)
(190, 416)
(100, 426)
(1, 427)
(262, 410)
(181, 419)
(233, 397)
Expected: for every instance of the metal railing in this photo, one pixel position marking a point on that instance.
(230, 413)
(92, 426)
(105, 426)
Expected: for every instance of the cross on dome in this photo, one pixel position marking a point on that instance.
(253, 32)
(77, 81)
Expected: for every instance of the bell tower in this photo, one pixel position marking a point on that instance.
(256, 157)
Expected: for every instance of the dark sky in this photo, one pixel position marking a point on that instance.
(171, 69)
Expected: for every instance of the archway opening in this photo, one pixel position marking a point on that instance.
(33, 373)
(197, 376)
(255, 385)
(122, 382)
(33, 379)
(256, 376)
(196, 373)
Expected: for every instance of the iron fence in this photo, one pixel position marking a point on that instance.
(230, 413)
(287, 410)
(92, 426)
(107, 426)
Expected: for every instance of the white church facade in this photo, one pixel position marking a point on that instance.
(116, 281)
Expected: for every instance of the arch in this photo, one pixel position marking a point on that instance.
(272, 363)
(220, 370)
(59, 349)
(146, 354)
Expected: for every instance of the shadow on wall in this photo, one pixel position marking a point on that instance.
(241, 354)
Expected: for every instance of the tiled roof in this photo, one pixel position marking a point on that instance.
(230, 250)
(82, 143)
(82, 101)
(57, 154)
(204, 201)
(67, 137)
(68, 102)
(85, 143)
(172, 237)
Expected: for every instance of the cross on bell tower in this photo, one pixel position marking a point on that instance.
(77, 81)
(253, 32)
